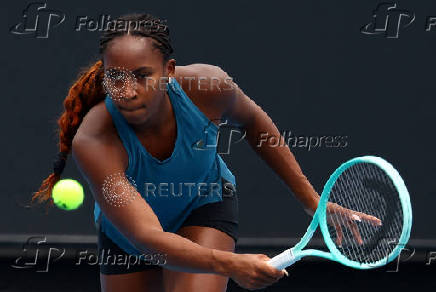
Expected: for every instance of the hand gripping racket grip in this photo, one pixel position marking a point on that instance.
(283, 260)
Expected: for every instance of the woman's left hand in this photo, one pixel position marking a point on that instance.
(338, 216)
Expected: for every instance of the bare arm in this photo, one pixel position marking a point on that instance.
(259, 127)
(99, 156)
(235, 105)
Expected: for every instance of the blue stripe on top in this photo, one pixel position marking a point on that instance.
(173, 187)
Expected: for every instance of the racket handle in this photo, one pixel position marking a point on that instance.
(283, 260)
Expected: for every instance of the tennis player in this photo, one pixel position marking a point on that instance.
(164, 198)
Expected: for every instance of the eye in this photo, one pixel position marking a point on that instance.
(142, 75)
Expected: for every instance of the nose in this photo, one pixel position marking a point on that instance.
(130, 92)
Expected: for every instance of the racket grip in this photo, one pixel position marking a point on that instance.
(283, 260)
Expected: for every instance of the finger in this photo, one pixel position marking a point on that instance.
(355, 230)
(272, 273)
(268, 280)
(339, 234)
(356, 217)
(335, 221)
(371, 219)
(259, 285)
(264, 257)
(262, 282)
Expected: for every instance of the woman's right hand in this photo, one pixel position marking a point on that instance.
(252, 271)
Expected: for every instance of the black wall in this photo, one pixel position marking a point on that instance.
(305, 62)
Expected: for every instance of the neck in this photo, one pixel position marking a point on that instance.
(158, 120)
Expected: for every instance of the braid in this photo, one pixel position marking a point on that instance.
(82, 96)
(87, 91)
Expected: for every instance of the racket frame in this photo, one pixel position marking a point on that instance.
(290, 256)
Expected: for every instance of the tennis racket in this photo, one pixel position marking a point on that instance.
(364, 214)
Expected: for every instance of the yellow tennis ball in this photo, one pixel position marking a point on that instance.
(68, 194)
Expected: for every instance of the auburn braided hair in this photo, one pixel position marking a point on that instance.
(88, 91)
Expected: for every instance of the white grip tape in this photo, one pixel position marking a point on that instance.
(283, 260)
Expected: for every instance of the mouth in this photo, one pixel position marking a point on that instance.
(126, 109)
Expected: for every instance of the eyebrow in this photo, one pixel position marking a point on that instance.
(142, 68)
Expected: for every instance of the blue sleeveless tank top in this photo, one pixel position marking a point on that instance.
(173, 187)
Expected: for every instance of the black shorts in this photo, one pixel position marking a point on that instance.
(223, 216)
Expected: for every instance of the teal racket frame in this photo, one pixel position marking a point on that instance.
(289, 256)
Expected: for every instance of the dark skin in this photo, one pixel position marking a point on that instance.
(196, 256)
(154, 122)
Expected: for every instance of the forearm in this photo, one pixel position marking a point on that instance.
(184, 255)
(262, 136)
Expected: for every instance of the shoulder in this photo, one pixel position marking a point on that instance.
(97, 136)
(209, 86)
(201, 68)
(97, 122)
(204, 78)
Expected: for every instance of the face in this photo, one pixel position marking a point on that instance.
(136, 77)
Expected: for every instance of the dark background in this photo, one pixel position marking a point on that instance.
(306, 63)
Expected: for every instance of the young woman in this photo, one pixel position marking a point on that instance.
(144, 148)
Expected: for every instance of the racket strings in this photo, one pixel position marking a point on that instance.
(366, 188)
(372, 201)
(362, 251)
(366, 229)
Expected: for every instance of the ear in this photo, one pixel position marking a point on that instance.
(170, 68)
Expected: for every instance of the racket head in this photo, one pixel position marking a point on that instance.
(380, 169)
